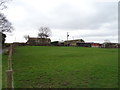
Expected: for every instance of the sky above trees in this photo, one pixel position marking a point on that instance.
(90, 20)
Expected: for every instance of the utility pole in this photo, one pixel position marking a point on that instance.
(67, 38)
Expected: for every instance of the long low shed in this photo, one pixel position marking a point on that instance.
(84, 44)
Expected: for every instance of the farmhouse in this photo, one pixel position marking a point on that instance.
(38, 41)
(73, 42)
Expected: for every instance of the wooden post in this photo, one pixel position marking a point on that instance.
(9, 83)
(9, 79)
(10, 58)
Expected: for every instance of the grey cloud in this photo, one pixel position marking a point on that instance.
(66, 16)
(72, 18)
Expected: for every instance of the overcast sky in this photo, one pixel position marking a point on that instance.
(90, 20)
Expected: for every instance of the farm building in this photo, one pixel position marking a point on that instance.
(57, 43)
(110, 45)
(89, 44)
(19, 44)
(73, 42)
(38, 41)
(84, 44)
(95, 45)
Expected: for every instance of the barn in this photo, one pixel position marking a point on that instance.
(73, 42)
(84, 44)
(38, 41)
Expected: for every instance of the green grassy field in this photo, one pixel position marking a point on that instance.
(65, 67)
(4, 68)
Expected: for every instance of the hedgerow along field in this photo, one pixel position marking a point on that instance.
(65, 67)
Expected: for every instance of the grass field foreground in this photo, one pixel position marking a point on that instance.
(65, 67)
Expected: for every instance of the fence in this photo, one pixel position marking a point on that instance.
(9, 72)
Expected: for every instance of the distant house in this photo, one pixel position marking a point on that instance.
(38, 41)
(73, 42)
(111, 45)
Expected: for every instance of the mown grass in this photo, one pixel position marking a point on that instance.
(4, 68)
(65, 67)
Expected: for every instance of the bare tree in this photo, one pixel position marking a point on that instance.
(5, 25)
(3, 4)
(44, 32)
(26, 37)
(107, 41)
